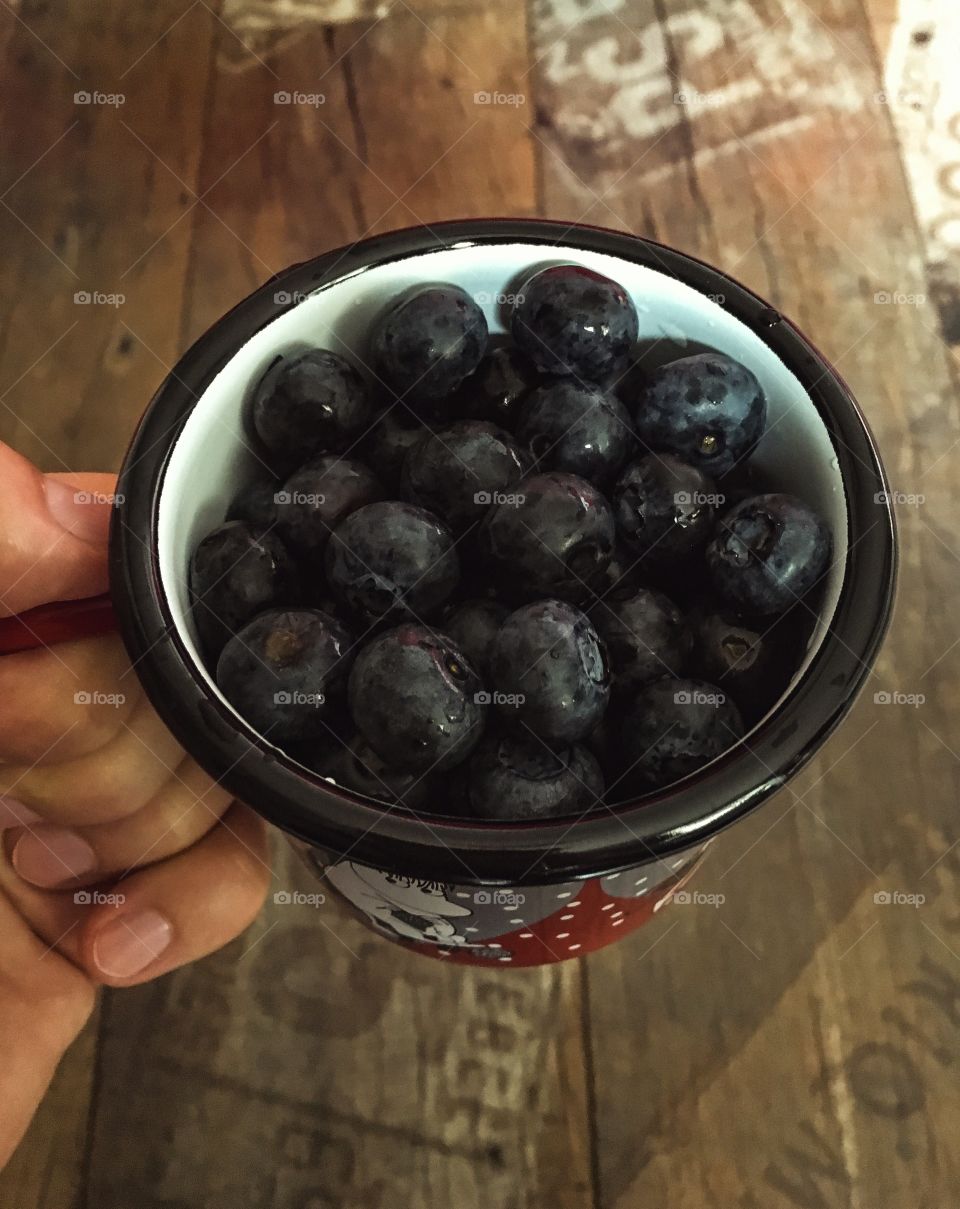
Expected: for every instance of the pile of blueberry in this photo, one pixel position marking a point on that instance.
(507, 579)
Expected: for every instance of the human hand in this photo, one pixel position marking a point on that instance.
(121, 858)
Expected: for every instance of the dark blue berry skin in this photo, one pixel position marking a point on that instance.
(511, 779)
(392, 560)
(550, 672)
(473, 625)
(387, 443)
(669, 729)
(618, 578)
(429, 341)
(237, 571)
(496, 389)
(663, 508)
(577, 428)
(750, 664)
(575, 323)
(255, 505)
(646, 637)
(767, 552)
(285, 672)
(708, 409)
(554, 543)
(318, 496)
(457, 471)
(414, 698)
(310, 402)
(356, 766)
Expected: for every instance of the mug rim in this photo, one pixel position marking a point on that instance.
(681, 816)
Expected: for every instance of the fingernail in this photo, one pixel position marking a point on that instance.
(15, 814)
(83, 513)
(50, 856)
(130, 942)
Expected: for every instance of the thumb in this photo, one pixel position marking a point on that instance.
(53, 534)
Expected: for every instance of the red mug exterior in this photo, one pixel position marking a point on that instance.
(503, 926)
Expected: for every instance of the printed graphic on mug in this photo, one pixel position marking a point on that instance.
(529, 925)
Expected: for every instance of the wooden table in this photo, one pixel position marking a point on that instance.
(796, 1046)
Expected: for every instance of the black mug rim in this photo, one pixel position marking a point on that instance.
(342, 823)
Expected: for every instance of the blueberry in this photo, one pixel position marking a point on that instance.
(254, 504)
(767, 552)
(285, 672)
(664, 508)
(550, 672)
(386, 444)
(707, 409)
(310, 402)
(618, 578)
(236, 571)
(318, 496)
(577, 428)
(645, 636)
(669, 729)
(496, 388)
(552, 543)
(414, 698)
(745, 662)
(356, 766)
(458, 471)
(429, 341)
(513, 779)
(473, 625)
(576, 323)
(392, 560)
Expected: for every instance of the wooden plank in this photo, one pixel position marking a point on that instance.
(313, 1063)
(72, 379)
(288, 181)
(916, 41)
(46, 1170)
(89, 209)
(745, 1024)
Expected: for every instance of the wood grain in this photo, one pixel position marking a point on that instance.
(95, 198)
(795, 1044)
(758, 1011)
